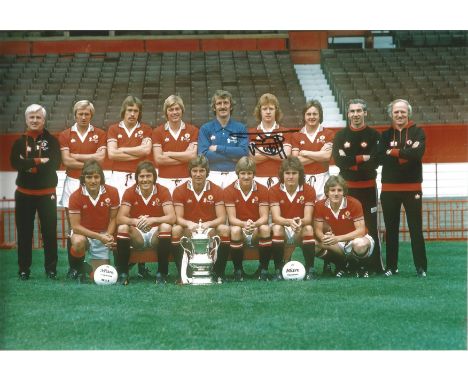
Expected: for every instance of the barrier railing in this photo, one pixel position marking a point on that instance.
(443, 219)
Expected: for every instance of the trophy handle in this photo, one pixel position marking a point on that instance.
(185, 243)
(214, 251)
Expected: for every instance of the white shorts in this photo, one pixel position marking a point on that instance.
(148, 236)
(221, 178)
(317, 181)
(347, 246)
(267, 181)
(97, 250)
(171, 183)
(70, 185)
(122, 181)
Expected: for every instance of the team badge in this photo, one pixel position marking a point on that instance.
(255, 200)
(213, 138)
(210, 197)
(302, 143)
(346, 215)
(44, 145)
(409, 142)
(189, 201)
(347, 145)
(52, 197)
(321, 139)
(139, 134)
(393, 143)
(73, 140)
(119, 136)
(187, 137)
(166, 139)
(415, 145)
(94, 138)
(85, 206)
(363, 145)
(28, 149)
(301, 199)
(417, 196)
(231, 140)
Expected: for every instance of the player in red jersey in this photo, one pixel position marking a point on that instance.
(340, 229)
(313, 146)
(79, 143)
(247, 209)
(128, 143)
(174, 145)
(145, 221)
(93, 210)
(264, 138)
(200, 199)
(292, 204)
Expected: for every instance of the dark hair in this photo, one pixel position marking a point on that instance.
(90, 167)
(333, 181)
(315, 103)
(148, 166)
(130, 101)
(294, 164)
(199, 161)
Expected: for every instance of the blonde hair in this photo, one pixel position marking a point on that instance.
(173, 100)
(268, 99)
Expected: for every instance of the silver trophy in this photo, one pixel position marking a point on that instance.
(200, 253)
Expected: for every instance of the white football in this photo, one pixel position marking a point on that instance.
(293, 270)
(105, 275)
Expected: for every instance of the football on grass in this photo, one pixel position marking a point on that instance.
(105, 275)
(293, 270)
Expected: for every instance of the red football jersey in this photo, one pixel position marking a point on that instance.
(303, 141)
(257, 135)
(201, 206)
(95, 214)
(247, 206)
(292, 205)
(124, 138)
(349, 212)
(153, 206)
(93, 140)
(162, 137)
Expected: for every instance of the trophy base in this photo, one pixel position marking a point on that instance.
(201, 277)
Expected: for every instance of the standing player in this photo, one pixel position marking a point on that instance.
(313, 146)
(93, 209)
(247, 209)
(340, 229)
(200, 199)
(292, 205)
(128, 143)
(223, 140)
(174, 145)
(401, 150)
(355, 153)
(79, 143)
(268, 114)
(145, 221)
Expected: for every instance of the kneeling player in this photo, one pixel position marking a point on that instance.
(247, 209)
(200, 200)
(93, 210)
(340, 229)
(292, 205)
(145, 221)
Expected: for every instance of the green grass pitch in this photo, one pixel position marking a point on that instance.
(398, 313)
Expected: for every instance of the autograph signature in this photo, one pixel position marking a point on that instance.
(267, 144)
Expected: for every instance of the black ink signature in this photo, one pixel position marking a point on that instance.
(266, 144)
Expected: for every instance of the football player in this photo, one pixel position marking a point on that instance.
(340, 229)
(93, 210)
(200, 200)
(247, 209)
(266, 135)
(292, 205)
(145, 221)
(79, 143)
(174, 145)
(128, 143)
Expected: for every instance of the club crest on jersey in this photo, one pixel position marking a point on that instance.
(139, 134)
(409, 142)
(166, 139)
(393, 143)
(212, 137)
(28, 149)
(302, 143)
(119, 136)
(347, 145)
(300, 200)
(189, 201)
(85, 206)
(44, 145)
(187, 137)
(231, 140)
(321, 139)
(210, 197)
(255, 199)
(363, 145)
(94, 138)
(73, 140)
(346, 215)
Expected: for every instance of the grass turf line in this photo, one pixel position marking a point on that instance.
(397, 313)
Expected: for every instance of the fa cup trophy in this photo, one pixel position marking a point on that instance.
(200, 253)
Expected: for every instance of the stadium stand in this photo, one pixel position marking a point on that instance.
(434, 80)
(57, 81)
